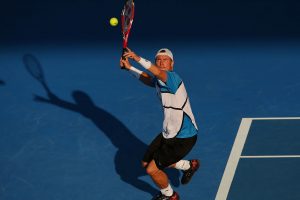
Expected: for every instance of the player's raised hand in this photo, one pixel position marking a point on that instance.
(124, 63)
(132, 55)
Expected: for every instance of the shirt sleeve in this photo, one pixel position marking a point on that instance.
(173, 81)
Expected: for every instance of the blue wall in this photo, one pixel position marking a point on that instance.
(87, 20)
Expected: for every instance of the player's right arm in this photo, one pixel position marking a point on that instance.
(142, 76)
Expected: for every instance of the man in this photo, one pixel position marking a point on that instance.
(179, 132)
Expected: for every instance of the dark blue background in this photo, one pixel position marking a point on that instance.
(87, 20)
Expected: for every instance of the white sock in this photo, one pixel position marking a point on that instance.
(168, 191)
(183, 165)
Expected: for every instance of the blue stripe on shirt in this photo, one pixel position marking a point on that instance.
(172, 83)
(188, 129)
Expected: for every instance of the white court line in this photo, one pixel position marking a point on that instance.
(233, 159)
(268, 118)
(278, 156)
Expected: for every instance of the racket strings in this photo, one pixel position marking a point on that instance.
(128, 15)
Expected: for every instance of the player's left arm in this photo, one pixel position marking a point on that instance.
(158, 73)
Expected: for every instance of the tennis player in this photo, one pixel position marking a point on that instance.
(179, 133)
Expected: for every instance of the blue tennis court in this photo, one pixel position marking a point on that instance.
(264, 161)
(85, 140)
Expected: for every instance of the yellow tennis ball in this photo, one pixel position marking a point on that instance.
(113, 21)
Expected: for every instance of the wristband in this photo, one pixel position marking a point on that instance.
(145, 63)
(135, 72)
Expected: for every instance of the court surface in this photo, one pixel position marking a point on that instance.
(84, 139)
(264, 161)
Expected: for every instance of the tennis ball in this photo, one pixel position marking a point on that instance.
(113, 21)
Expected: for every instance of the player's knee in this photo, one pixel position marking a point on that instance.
(151, 170)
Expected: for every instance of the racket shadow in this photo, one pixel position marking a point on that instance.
(129, 154)
(34, 68)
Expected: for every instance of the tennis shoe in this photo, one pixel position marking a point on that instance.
(188, 174)
(160, 196)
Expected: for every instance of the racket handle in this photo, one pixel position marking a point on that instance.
(123, 57)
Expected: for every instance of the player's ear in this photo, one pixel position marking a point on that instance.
(172, 65)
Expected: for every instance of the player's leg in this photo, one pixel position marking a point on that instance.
(160, 178)
(161, 156)
(189, 167)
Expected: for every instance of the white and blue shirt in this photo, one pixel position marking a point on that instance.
(179, 120)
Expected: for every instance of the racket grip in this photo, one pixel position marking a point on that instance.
(123, 57)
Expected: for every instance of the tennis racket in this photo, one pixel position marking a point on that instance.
(126, 20)
(35, 69)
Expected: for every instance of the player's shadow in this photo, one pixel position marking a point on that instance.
(2, 82)
(129, 148)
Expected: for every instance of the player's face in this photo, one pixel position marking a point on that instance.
(164, 62)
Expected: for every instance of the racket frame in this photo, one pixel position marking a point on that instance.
(125, 33)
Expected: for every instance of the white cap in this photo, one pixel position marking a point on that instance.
(165, 52)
